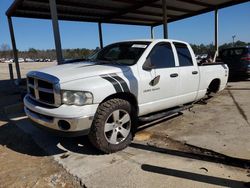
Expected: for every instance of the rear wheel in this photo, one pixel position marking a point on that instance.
(213, 88)
(111, 128)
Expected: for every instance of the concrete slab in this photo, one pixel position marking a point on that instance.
(137, 166)
(221, 126)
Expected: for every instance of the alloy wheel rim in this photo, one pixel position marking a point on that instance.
(117, 126)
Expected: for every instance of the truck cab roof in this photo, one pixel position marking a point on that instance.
(155, 40)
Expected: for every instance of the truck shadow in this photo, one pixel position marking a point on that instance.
(22, 136)
(14, 139)
(35, 142)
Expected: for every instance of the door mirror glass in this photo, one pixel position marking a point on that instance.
(148, 66)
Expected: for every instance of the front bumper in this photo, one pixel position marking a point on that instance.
(79, 118)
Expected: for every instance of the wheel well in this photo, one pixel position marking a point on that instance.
(125, 96)
(214, 86)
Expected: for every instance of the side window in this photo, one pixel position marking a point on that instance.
(162, 56)
(184, 55)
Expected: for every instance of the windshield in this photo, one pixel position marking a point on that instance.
(124, 53)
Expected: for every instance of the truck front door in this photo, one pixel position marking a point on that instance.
(159, 86)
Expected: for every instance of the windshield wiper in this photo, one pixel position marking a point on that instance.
(116, 62)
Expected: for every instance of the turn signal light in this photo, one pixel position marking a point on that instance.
(246, 58)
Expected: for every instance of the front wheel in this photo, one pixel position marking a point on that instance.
(111, 130)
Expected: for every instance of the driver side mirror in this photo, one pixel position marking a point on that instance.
(148, 66)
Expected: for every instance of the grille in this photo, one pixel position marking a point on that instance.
(43, 91)
(44, 84)
(46, 97)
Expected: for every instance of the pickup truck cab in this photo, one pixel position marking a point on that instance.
(103, 96)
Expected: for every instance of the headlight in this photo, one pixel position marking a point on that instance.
(78, 98)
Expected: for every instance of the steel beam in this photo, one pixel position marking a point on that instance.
(216, 28)
(15, 53)
(152, 32)
(11, 71)
(164, 19)
(55, 24)
(100, 34)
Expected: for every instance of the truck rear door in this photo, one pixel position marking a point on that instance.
(188, 72)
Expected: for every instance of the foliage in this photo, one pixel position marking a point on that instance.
(46, 54)
(5, 51)
(203, 49)
(237, 43)
(210, 49)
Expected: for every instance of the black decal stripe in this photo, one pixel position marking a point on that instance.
(122, 82)
(114, 83)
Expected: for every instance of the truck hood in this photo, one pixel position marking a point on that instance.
(81, 70)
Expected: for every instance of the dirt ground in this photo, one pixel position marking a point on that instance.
(22, 164)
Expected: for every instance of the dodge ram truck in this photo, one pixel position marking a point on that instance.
(105, 95)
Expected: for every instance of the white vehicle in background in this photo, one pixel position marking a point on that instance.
(204, 56)
(126, 81)
(9, 61)
(21, 60)
(2, 60)
(29, 60)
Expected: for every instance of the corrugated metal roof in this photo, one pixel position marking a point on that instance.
(134, 12)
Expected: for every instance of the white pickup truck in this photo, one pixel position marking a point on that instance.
(104, 96)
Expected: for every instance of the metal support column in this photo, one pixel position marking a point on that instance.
(13, 41)
(54, 17)
(152, 32)
(216, 33)
(100, 34)
(164, 19)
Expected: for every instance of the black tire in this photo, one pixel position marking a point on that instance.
(97, 135)
(210, 94)
(213, 88)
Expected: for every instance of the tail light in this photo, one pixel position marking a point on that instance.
(246, 58)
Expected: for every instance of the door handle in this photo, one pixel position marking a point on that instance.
(173, 75)
(195, 72)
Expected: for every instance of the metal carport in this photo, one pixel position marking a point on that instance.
(133, 12)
